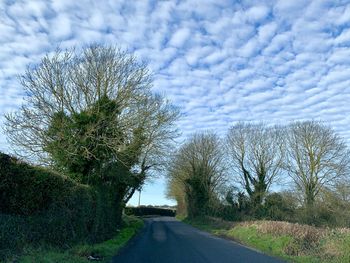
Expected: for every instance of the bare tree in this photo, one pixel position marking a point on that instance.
(197, 172)
(317, 157)
(92, 114)
(256, 154)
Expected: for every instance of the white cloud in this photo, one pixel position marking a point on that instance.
(290, 9)
(266, 32)
(62, 28)
(180, 37)
(220, 62)
(257, 13)
(343, 38)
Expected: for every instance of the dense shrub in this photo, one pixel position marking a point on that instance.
(26, 190)
(278, 207)
(106, 217)
(40, 206)
(13, 233)
(230, 212)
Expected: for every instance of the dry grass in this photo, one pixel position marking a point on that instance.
(297, 231)
(307, 240)
(291, 241)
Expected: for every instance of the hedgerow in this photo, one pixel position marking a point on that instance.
(40, 206)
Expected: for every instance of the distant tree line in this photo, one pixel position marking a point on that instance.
(306, 163)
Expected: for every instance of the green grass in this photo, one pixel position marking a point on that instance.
(79, 253)
(333, 247)
(267, 243)
(209, 224)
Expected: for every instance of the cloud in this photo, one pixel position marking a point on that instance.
(63, 27)
(220, 62)
(343, 38)
(180, 37)
(257, 13)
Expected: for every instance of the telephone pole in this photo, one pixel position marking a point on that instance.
(139, 197)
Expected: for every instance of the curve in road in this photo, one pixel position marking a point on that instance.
(165, 239)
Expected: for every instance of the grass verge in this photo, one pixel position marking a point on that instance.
(291, 242)
(80, 253)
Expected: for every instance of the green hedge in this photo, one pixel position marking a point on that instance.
(25, 190)
(39, 206)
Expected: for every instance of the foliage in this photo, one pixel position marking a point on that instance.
(292, 242)
(91, 114)
(208, 223)
(39, 206)
(86, 132)
(278, 206)
(228, 212)
(331, 208)
(197, 172)
(26, 190)
(79, 253)
(308, 153)
(256, 154)
(335, 206)
(266, 243)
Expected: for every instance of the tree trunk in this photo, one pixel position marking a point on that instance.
(310, 207)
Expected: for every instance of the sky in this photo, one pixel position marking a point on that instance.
(219, 61)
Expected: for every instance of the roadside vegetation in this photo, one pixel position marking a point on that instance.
(289, 241)
(101, 252)
(306, 163)
(224, 186)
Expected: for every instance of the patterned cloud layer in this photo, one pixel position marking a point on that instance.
(219, 61)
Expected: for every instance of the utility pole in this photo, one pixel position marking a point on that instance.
(139, 197)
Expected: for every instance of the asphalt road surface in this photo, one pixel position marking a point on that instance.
(164, 239)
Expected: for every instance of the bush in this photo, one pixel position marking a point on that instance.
(13, 233)
(277, 207)
(39, 206)
(226, 212)
(26, 190)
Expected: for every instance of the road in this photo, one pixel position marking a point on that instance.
(165, 239)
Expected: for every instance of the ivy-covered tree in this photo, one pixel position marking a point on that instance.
(91, 114)
(196, 173)
(256, 152)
